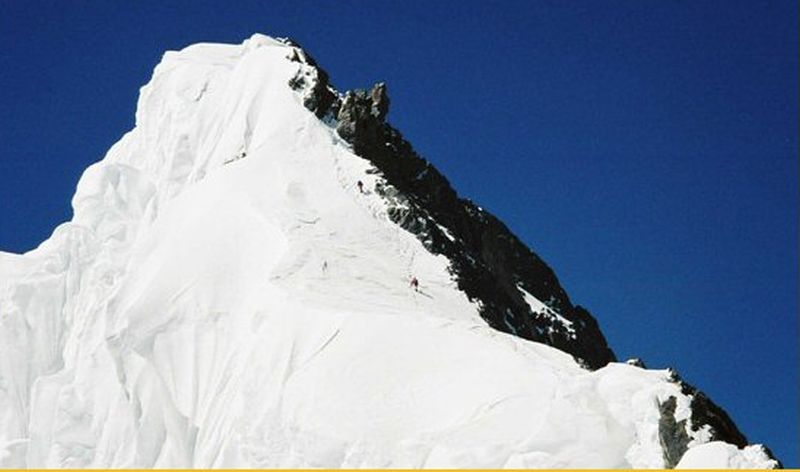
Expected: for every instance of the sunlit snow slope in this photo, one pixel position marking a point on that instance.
(224, 296)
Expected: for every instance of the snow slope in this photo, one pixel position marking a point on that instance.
(224, 296)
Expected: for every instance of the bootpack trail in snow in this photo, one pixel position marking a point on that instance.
(227, 295)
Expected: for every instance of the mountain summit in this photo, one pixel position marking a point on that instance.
(263, 273)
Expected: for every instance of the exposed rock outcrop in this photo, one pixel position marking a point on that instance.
(671, 434)
(636, 362)
(490, 263)
(492, 266)
(706, 413)
(313, 82)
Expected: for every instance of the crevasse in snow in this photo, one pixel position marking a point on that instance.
(224, 296)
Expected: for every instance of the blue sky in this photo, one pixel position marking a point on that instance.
(647, 150)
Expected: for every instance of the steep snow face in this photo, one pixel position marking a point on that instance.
(226, 296)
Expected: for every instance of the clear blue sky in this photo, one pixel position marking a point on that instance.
(647, 150)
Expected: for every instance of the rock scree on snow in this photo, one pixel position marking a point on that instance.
(226, 295)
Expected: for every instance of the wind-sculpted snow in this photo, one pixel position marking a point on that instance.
(225, 296)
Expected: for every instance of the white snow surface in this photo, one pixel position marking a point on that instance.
(224, 296)
(720, 455)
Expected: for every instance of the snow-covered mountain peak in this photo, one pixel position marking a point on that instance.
(234, 290)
